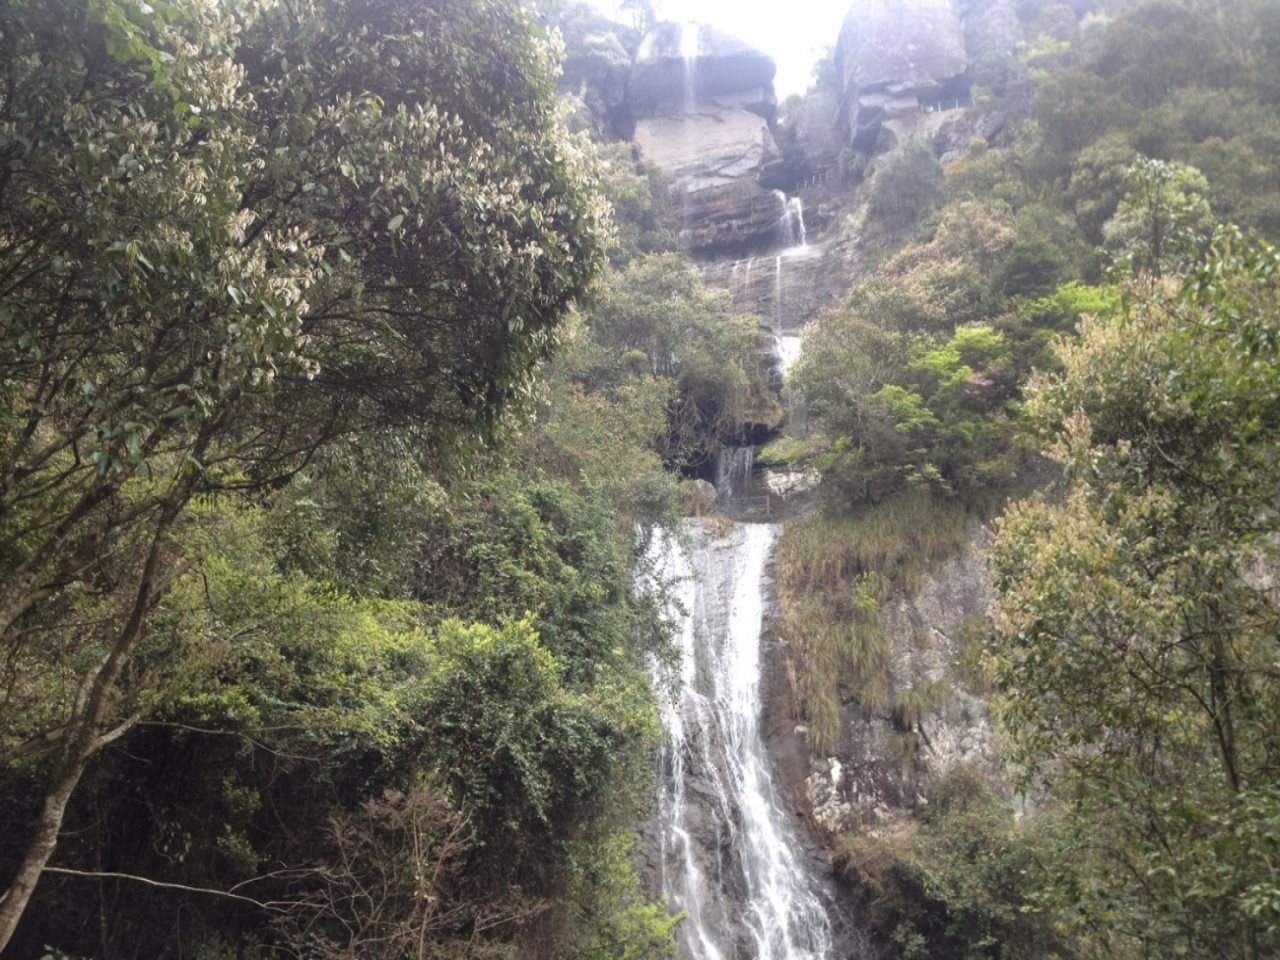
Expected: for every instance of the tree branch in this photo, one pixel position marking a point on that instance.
(275, 906)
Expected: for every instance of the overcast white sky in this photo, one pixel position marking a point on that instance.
(794, 32)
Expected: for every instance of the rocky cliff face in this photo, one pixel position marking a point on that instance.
(702, 103)
(880, 771)
(785, 290)
(895, 56)
(680, 62)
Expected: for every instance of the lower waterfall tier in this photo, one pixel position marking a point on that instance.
(730, 858)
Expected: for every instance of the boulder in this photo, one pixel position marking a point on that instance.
(679, 63)
(711, 146)
(960, 130)
(894, 54)
(698, 496)
(701, 103)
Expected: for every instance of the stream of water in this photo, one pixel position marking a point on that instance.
(730, 858)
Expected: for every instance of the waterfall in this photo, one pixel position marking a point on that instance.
(786, 347)
(778, 318)
(728, 854)
(733, 471)
(791, 232)
(690, 39)
(689, 43)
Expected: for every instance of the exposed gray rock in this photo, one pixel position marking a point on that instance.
(895, 55)
(710, 146)
(734, 217)
(878, 773)
(702, 103)
(901, 45)
(678, 63)
(787, 289)
(959, 130)
(699, 496)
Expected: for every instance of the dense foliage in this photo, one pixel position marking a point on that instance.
(1134, 658)
(1138, 624)
(318, 605)
(958, 882)
(330, 411)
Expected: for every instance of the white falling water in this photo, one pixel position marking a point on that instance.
(787, 349)
(733, 471)
(729, 855)
(690, 35)
(791, 231)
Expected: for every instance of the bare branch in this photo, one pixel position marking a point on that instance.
(274, 906)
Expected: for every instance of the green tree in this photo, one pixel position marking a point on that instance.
(1098, 183)
(908, 380)
(230, 235)
(1073, 109)
(657, 317)
(906, 186)
(1137, 641)
(959, 882)
(1163, 219)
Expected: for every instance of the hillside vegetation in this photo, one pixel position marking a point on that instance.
(340, 381)
(337, 376)
(1094, 285)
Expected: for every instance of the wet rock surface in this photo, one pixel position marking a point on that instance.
(682, 62)
(734, 219)
(725, 847)
(702, 104)
(785, 289)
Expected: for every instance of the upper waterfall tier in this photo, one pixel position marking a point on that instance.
(724, 69)
(703, 103)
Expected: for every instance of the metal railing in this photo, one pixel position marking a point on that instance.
(813, 181)
(943, 106)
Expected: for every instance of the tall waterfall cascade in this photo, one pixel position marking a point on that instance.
(727, 851)
(782, 288)
(787, 348)
(730, 859)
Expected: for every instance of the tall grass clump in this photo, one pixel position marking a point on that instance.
(833, 573)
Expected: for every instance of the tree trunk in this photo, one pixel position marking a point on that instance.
(83, 738)
(40, 849)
